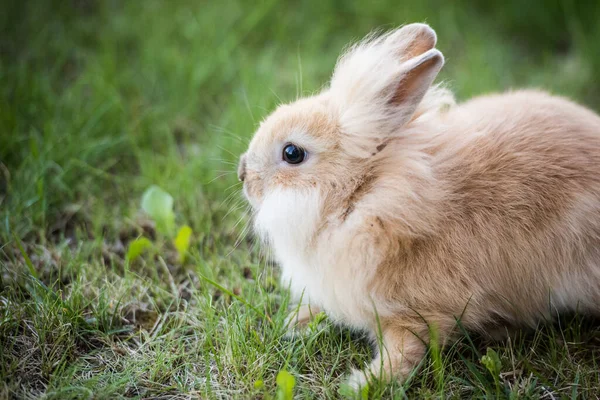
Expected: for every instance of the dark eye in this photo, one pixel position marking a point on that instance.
(293, 154)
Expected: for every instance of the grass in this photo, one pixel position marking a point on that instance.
(101, 99)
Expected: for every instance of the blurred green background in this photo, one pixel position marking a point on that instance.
(114, 86)
(99, 99)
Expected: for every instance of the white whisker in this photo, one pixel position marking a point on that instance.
(218, 176)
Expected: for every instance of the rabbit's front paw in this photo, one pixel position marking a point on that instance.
(357, 380)
(300, 317)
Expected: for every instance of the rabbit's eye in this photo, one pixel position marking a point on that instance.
(293, 154)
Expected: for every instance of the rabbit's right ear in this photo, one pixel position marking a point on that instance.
(379, 83)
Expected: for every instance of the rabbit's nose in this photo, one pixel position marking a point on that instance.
(242, 168)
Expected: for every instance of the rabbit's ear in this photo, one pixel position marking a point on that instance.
(379, 83)
(417, 76)
(411, 40)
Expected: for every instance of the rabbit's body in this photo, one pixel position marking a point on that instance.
(429, 212)
(518, 214)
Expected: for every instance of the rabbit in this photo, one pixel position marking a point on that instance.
(398, 212)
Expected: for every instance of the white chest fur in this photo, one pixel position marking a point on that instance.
(331, 271)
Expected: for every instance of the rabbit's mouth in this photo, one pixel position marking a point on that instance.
(253, 189)
(253, 200)
(249, 183)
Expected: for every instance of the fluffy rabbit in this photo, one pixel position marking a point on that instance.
(396, 211)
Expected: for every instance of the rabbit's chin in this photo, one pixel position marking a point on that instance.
(287, 219)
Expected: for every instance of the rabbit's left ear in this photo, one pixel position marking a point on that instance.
(379, 83)
(417, 75)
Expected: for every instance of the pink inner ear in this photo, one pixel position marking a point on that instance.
(411, 84)
(412, 40)
(422, 42)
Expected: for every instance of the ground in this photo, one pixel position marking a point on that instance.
(99, 100)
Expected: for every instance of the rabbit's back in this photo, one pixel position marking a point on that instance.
(526, 157)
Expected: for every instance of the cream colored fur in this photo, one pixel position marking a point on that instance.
(411, 212)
